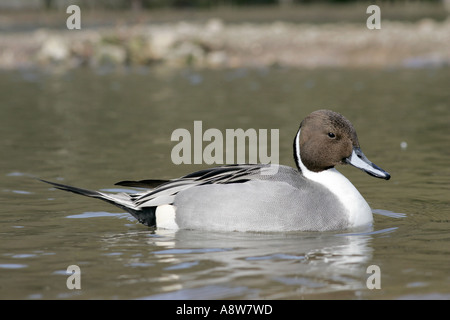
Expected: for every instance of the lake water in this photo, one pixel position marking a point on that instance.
(92, 128)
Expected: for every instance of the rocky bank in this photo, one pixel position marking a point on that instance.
(216, 44)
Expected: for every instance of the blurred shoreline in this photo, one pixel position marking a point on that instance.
(305, 37)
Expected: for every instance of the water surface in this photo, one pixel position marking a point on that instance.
(94, 128)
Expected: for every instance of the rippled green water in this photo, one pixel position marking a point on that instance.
(94, 128)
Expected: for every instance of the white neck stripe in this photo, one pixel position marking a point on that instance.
(297, 158)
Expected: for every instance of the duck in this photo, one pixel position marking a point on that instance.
(314, 196)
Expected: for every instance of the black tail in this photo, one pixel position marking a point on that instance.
(84, 192)
(147, 184)
(145, 215)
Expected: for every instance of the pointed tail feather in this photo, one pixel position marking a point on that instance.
(145, 215)
(84, 192)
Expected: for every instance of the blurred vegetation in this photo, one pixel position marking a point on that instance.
(149, 4)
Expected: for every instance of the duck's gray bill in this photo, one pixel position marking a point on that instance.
(360, 161)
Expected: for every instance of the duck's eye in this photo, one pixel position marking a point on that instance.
(331, 135)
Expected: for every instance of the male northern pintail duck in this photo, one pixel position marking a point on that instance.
(255, 197)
